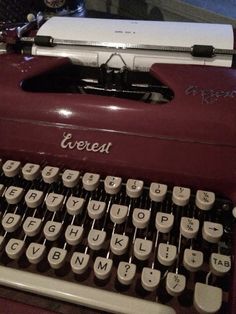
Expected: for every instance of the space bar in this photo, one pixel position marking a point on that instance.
(79, 294)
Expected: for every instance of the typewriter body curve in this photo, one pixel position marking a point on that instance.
(54, 113)
(190, 139)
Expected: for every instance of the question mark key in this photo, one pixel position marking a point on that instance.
(126, 272)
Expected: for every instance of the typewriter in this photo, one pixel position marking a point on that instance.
(118, 165)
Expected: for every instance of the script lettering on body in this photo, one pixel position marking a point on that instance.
(83, 145)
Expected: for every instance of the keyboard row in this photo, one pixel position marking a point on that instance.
(112, 185)
(96, 210)
(91, 226)
(167, 254)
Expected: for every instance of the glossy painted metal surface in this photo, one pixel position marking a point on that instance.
(189, 141)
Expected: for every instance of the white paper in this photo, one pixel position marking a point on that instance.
(134, 32)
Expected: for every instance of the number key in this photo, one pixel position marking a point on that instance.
(205, 200)
(134, 188)
(11, 168)
(181, 196)
(30, 171)
(157, 192)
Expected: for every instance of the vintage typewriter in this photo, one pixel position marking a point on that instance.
(118, 164)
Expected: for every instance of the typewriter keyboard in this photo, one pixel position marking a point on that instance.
(115, 245)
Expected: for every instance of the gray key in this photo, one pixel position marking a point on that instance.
(11, 168)
(35, 252)
(220, 264)
(90, 181)
(96, 239)
(52, 230)
(193, 259)
(142, 249)
(14, 195)
(150, 278)
(207, 299)
(34, 198)
(96, 209)
(30, 171)
(112, 185)
(166, 254)
(74, 205)
(134, 188)
(14, 248)
(126, 273)
(57, 257)
(102, 267)
(141, 218)
(79, 262)
(11, 222)
(119, 244)
(212, 231)
(175, 284)
(74, 234)
(157, 192)
(118, 213)
(70, 178)
(32, 226)
(50, 174)
(54, 201)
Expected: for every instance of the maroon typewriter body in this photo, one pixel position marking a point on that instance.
(189, 141)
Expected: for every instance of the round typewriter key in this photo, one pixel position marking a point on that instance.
(102, 267)
(70, 178)
(175, 284)
(35, 252)
(141, 217)
(73, 234)
(126, 273)
(220, 264)
(34, 198)
(164, 222)
(205, 200)
(181, 196)
(11, 168)
(30, 171)
(11, 222)
(112, 185)
(150, 278)
(14, 248)
(192, 260)
(119, 243)
(157, 192)
(118, 213)
(50, 174)
(90, 181)
(166, 254)
(57, 257)
(79, 262)
(212, 232)
(96, 209)
(134, 188)
(207, 299)
(32, 226)
(96, 239)
(54, 201)
(14, 195)
(142, 249)
(74, 205)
